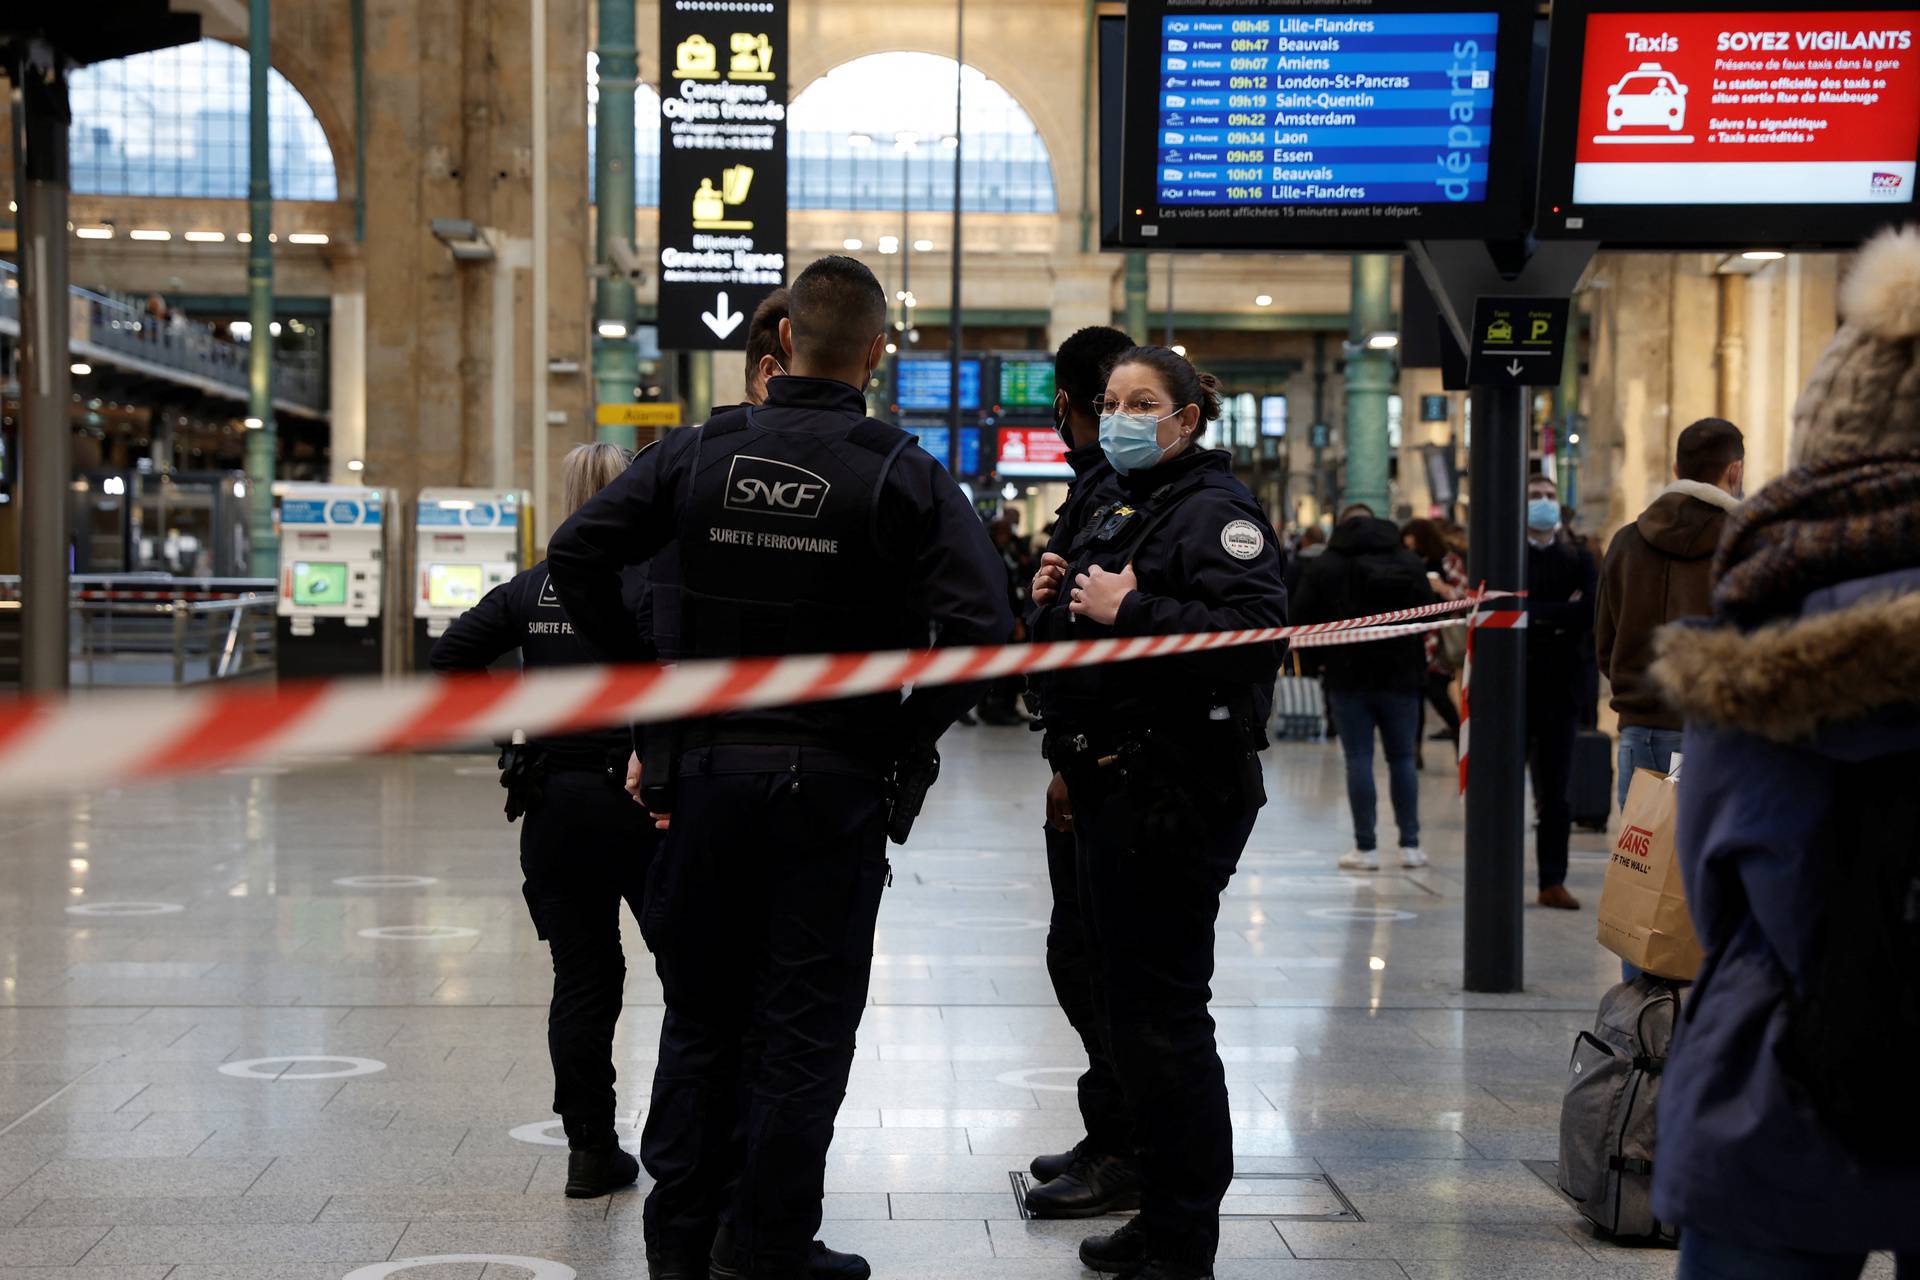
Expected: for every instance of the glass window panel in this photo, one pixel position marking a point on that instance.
(174, 122)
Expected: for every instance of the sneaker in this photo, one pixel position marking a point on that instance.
(1125, 1250)
(1412, 858)
(1556, 896)
(1361, 860)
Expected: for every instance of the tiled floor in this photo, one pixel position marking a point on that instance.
(156, 939)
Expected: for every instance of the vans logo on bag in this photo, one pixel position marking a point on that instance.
(1634, 843)
(775, 488)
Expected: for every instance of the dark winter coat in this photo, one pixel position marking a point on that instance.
(1777, 719)
(1659, 569)
(1365, 570)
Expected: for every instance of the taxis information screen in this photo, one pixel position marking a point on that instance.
(1731, 124)
(1287, 124)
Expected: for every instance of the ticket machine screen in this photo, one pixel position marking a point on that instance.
(453, 586)
(319, 583)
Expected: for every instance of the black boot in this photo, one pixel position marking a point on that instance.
(1161, 1269)
(1047, 1168)
(595, 1171)
(830, 1264)
(1125, 1250)
(662, 1267)
(1092, 1185)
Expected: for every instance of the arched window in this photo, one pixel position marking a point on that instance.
(646, 137)
(174, 122)
(877, 131)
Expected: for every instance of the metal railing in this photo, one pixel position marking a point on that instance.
(119, 323)
(144, 630)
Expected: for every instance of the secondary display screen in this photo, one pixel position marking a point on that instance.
(1026, 384)
(317, 584)
(1767, 119)
(453, 586)
(938, 441)
(1287, 124)
(926, 382)
(1034, 451)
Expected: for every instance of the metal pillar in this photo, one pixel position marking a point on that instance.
(1496, 813)
(1137, 322)
(262, 438)
(1369, 384)
(41, 117)
(700, 386)
(616, 361)
(1316, 435)
(1566, 403)
(954, 314)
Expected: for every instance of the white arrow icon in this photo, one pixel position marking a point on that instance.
(723, 320)
(1516, 368)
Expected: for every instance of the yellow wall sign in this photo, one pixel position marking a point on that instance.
(659, 414)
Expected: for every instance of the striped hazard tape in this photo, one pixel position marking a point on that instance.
(1478, 620)
(128, 737)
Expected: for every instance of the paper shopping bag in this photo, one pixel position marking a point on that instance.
(1643, 905)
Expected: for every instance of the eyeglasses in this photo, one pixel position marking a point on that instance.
(1137, 404)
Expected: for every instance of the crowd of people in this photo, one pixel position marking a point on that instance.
(757, 867)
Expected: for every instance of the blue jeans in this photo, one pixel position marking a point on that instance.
(1704, 1257)
(1644, 747)
(1396, 716)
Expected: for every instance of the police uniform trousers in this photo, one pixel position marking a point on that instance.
(1070, 963)
(585, 847)
(1158, 843)
(760, 912)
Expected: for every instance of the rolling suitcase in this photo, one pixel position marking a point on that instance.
(1590, 780)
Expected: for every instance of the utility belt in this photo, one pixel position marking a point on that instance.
(1227, 726)
(526, 766)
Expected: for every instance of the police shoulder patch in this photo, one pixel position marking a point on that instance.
(1243, 539)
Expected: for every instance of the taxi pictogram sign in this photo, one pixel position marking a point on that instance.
(1518, 342)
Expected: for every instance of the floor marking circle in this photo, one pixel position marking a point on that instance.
(1367, 914)
(1023, 1079)
(994, 924)
(249, 1068)
(419, 932)
(553, 1133)
(541, 1268)
(125, 909)
(385, 882)
(982, 886)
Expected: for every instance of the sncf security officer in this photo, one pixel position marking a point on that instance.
(584, 846)
(1164, 783)
(1100, 1174)
(801, 526)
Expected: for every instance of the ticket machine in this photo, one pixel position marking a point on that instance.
(466, 542)
(333, 556)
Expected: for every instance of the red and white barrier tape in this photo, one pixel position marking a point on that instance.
(1499, 619)
(125, 737)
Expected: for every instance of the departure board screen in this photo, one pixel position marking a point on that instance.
(938, 441)
(1271, 124)
(926, 382)
(1026, 383)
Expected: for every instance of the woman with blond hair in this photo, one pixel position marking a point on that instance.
(585, 846)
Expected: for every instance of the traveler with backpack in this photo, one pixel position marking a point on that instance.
(1789, 1125)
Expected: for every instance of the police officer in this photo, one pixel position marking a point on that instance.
(1164, 783)
(1099, 1175)
(801, 526)
(584, 846)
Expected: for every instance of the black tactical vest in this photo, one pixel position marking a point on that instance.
(780, 552)
(1080, 697)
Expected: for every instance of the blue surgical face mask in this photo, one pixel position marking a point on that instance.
(1131, 441)
(1543, 515)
